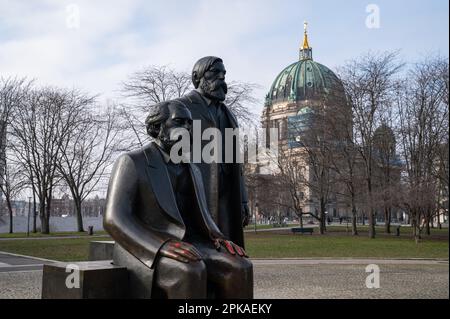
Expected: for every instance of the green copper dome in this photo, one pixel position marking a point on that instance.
(304, 80)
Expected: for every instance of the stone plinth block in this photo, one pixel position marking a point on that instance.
(84, 280)
(101, 250)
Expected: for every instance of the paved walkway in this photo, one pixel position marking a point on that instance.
(21, 277)
(13, 262)
(248, 230)
(55, 237)
(337, 281)
(349, 261)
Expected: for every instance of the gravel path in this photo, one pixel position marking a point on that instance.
(306, 278)
(323, 280)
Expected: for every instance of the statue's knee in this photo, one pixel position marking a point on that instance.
(246, 266)
(241, 269)
(194, 271)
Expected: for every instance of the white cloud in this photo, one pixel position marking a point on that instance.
(256, 38)
(117, 38)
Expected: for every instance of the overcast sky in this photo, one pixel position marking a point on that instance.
(95, 51)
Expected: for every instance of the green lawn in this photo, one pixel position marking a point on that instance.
(74, 249)
(404, 230)
(262, 245)
(297, 246)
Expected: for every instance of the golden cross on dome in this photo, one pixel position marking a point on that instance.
(305, 36)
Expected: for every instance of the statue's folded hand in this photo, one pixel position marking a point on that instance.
(231, 247)
(180, 251)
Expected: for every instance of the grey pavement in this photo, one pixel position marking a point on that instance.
(324, 280)
(21, 277)
(14, 263)
(54, 237)
(348, 261)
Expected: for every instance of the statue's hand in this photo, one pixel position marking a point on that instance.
(245, 215)
(180, 251)
(231, 247)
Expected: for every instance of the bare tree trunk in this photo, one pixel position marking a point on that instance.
(45, 229)
(354, 220)
(45, 218)
(439, 219)
(415, 223)
(371, 214)
(418, 236)
(300, 218)
(33, 188)
(322, 218)
(34, 213)
(387, 220)
(77, 202)
(371, 223)
(371, 211)
(427, 225)
(11, 227)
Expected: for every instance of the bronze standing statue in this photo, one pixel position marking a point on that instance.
(224, 182)
(157, 212)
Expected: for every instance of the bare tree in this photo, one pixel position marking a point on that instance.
(345, 163)
(143, 89)
(39, 130)
(87, 153)
(239, 98)
(369, 82)
(290, 179)
(12, 90)
(156, 84)
(12, 183)
(386, 169)
(441, 170)
(423, 114)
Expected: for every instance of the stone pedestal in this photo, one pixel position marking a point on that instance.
(84, 280)
(101, 250)
(140, 277)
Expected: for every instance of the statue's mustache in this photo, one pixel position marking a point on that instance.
(216, 86)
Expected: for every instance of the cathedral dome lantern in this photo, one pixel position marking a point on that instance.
(305, 50)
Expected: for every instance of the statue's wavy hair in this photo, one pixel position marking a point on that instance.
(201, 67)
(159, 113)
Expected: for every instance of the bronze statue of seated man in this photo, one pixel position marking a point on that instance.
(157, 213)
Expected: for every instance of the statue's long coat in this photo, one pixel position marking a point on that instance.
(231, 224)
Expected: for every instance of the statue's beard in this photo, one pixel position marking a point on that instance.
(166, 142)
(215, 90)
